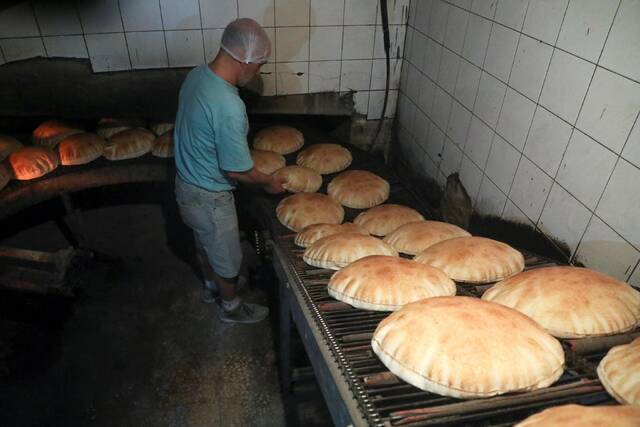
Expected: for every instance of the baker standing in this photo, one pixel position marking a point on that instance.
(212, 155)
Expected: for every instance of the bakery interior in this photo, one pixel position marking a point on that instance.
(487, 148)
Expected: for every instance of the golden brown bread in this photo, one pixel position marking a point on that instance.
(299, 179)
(358, 189)
(32, 162)
(315, 232)
(386, 283)
(51, 132)
(619, 373)
(571, 302)
(80, 148)
(382, 220)
(338, 250)
(109, 126)
(303, 209)
(8, 145)
(162, 146)
(161, 128)
(279, 139)
(473, 259)
(585, 416)
(325, 158)
(467, 348)
(267, 162)
(415, 237)
(129, 144)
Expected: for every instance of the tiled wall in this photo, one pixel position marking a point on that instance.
(536, 104)
(319, 45)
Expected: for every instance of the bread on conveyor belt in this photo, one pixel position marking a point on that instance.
(386, 283)
(8, 145)
(32, 162)
(109, 126)
(339, 250)
(303, 209)
(80, 148)
(312, 233)
(571, 302)
(129, 144)
(473, 259)
(51, 132)
(585, 416)
(161, 128)
(382, 220)
(267, 162)
(359, 189)
(299, 179)
(467, 348)
(619, 372)
(325, 158)
(415, 237)
(162, 146)
(279, 139)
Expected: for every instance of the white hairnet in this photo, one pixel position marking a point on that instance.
(245, 40)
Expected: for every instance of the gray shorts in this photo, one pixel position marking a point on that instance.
(212, 217)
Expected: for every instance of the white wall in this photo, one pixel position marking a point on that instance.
(536, 104)
(319, 45)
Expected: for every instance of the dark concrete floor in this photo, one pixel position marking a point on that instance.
(140, 348)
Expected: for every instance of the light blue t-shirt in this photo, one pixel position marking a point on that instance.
(210, 133)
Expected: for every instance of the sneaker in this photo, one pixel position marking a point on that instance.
(209, 294)
(244, 313)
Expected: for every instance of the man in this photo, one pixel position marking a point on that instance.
(212, 154)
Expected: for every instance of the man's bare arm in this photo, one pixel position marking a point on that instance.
(253, 176)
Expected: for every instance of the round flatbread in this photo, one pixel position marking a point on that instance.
(359, 189)
(339, 250)
(619, 373)
(129, 144)
(571, 302)
(299, 179)
(267, 162)
(109, 126)
(80, 149)
(473, 259)
(325, 158)
(584, 416)
(415, 237)
(303, 209)
(32, 162)
(161, 128)
(315, 232)
(386, 283)
(8, 145)
(162, 146)
(51, 132)
(382, 220)
(465, 348)
(279, 139)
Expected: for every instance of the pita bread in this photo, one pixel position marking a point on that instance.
(5, 176)
(415, 237)
(619, 373)
(267, 162)
(8, 145)
(32, 162)
(325, 158)
(382, 220)
(51, 132)
(315, 232)
(359, 189)
(299, 179)
(303, 209)
(339, 250)
(386, 283)
(473, 259)
(109, 126)
(80, 148)
(279, 139)
(161, 128)
(162, 146)
(129, 144)
(465, 347)
(570, 302)
(584, 416)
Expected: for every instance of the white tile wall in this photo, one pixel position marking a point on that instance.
(292, 44)
(18, 20)
(180, 14)
(218, 13)
(100, 16)
(57, 18)
(292, 78)
(65, 47)
(108, 52)
(17, 49)
(185, 48)
(544, 122)
(141, 15)
(147, 49)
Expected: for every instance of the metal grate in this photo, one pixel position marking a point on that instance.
(386, 400)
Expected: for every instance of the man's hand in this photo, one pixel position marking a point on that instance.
(276, 185)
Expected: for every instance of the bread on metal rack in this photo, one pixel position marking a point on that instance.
(415, 237)
(359, 189)
(339, 250)
(299, 179)
(303, 209)
(325, 158)
(279, 139)
(383, 219)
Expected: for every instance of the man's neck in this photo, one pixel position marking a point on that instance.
(224, 72)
